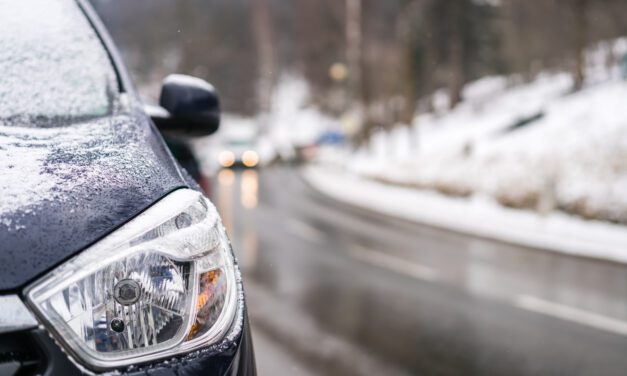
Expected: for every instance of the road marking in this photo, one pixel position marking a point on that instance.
(304, 230)
(393, 263)
(576, 315)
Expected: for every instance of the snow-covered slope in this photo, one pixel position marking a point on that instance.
(571, 155)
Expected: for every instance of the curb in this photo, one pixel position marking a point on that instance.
(556, 233)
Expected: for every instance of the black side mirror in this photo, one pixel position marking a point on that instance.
(188, 106)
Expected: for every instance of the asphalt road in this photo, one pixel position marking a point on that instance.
(335, 290)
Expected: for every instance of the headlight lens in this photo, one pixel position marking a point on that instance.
(161, 285)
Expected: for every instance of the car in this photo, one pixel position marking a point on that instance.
(111, 258)
(238, 144)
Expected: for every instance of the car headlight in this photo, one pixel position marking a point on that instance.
(163, 284)
(226, 158)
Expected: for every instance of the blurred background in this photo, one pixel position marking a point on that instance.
(411, 186)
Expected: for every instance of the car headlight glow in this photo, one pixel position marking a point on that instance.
(226, 158)
(250, 158)
(163, 284)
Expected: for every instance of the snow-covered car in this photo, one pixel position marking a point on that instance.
(111, 258)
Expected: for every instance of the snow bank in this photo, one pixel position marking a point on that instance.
(534, 146)
(480, 217)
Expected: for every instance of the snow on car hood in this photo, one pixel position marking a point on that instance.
(63, 188)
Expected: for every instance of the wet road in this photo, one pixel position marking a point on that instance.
(335, 290)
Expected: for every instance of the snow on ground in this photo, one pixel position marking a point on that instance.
(572, 157)
(479, 216)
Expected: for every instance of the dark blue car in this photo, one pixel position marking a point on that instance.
(111, 258)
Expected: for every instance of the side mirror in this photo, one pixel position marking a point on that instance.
(188, 106)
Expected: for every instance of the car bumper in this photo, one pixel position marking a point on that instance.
(235, 358)
(35, 352)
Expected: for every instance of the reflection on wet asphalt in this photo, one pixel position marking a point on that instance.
(343, 291)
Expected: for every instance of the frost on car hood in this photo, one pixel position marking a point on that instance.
(63, 188)
(39, 164)
(53, 64)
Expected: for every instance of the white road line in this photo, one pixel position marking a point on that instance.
(393, 263)
(306, 231)
(576, 315)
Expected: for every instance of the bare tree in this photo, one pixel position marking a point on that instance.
(265, 55)
(408, 77)
(581, 41)
(354, 51)
(398, 51)
(456, 52)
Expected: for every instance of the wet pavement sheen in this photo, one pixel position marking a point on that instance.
(337, 290)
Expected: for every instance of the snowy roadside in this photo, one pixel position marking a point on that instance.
(476, 216)
(535, 145)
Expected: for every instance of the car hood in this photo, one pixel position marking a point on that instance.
(64, 188)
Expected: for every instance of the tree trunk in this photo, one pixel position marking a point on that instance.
(358, 89)
(410, 97)
(408, 73)
(456, 53)
(265, 54)
(581, 40)
(354, 48)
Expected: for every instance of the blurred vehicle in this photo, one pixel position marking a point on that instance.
(238, 146)
(112, 260)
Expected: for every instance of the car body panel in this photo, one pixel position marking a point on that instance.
(231, 357)
(78, 183)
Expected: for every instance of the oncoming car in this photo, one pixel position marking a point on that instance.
(238, 141)
(111, 258)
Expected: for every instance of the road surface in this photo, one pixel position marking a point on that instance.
(335, 290)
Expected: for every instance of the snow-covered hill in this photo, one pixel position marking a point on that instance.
(534, 145)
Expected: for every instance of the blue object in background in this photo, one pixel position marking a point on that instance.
(332, 138)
